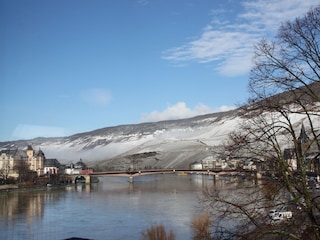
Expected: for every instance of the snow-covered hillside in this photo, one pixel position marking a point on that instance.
(165, 144)
(174, 139)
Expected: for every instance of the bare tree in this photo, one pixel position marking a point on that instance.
(22, 167)
(284, 86)
(5, 170)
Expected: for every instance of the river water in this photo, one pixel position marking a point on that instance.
(111, 209)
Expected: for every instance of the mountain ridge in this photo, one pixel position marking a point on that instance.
(163, 144)
(109, 142)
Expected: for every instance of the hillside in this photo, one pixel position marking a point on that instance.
(175, 143)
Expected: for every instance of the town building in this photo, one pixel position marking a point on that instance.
(51, 166)
(208, 162)
(196, 166)
(307, 150)
(211, 162)
(10, 161)
(35, 160)
(76, 168)
(15, 163)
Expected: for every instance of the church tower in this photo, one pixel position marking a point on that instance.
(303, 141)
(30, 152)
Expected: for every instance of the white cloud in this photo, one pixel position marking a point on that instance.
(97, 96)
(25, 131)
(230, 43)
(180, 111)
(272, 13)
(143, 2)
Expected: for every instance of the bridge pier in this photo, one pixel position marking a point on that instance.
(215, 178)
(130, 179)
(88, 179)
(257, 177)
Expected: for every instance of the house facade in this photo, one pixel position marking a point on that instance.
(51, 166)
(9, 163)
(15, 162)
(35, 160)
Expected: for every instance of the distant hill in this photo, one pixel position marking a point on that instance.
(170, 139)
(174, 143)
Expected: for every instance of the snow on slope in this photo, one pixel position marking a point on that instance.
(176, 143)
(179, 147)
(166, 136)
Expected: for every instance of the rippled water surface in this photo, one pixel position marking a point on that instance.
(110, 209)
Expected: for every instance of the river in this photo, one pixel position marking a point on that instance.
(111, 209)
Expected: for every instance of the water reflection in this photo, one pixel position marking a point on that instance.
(110, 209)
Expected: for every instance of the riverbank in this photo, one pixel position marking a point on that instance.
(8, 187)
(25, 187)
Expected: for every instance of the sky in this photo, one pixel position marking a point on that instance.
(74, 66)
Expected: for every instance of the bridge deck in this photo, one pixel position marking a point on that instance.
(166, 171)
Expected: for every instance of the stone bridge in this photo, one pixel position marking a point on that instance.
(131, 174)
(81, 178)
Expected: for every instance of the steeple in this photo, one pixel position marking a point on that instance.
(30, 151)
(29, 148)
(303, 138)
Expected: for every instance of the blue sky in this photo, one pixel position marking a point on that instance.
(74, 66)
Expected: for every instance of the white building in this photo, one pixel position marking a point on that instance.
(208, 162)
(196, 166)
(75, 168)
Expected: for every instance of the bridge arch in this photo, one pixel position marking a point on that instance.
(82, 179)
